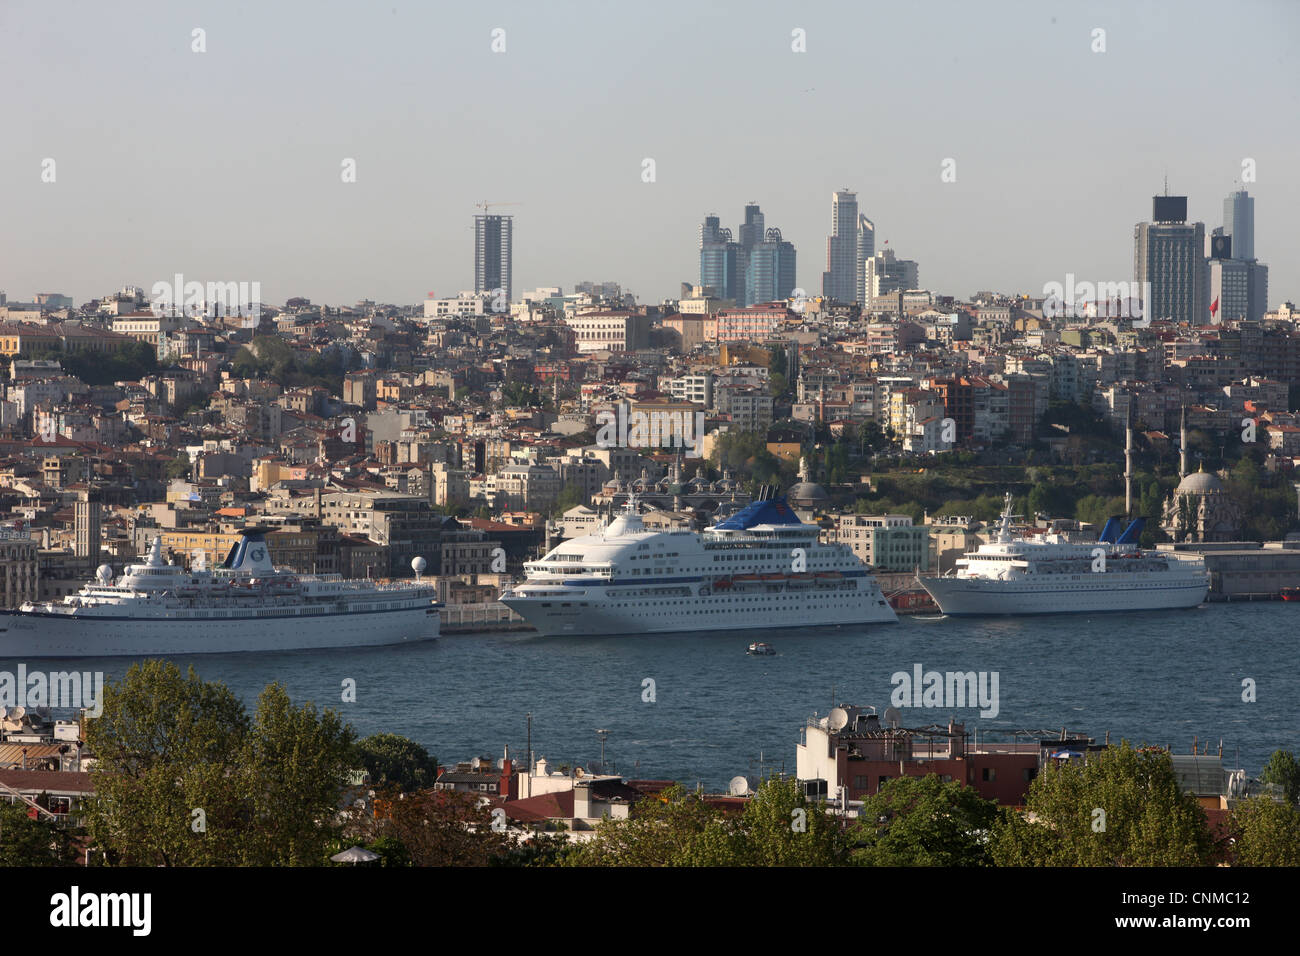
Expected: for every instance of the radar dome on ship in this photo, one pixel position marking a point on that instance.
(104, 573)
(418, 563)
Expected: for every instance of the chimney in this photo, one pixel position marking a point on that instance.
(506, 789)
(581, 799)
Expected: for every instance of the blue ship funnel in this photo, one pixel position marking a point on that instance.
(1132, 532)
(1108, 533)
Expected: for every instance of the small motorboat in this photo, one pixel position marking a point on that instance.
(1291, 594)
(761, 649)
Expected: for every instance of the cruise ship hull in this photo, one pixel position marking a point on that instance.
(37, 634)
(598, 612)
(1074, 594)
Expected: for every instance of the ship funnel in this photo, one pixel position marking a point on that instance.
(250, 554)
(1109, 532)
(1132, 532)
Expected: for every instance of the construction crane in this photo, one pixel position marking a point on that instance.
(485, 205)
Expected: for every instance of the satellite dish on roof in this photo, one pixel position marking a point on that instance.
(738, 787)
(838, 719)
(18, 713)
(893, 717)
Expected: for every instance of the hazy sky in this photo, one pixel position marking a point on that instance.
(226, 165)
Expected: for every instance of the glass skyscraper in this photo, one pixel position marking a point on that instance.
(769, 276)
(720, 260)
(839, 281)
(1239, 223)
(758, 268)
(493, 246)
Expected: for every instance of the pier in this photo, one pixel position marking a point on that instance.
(473, 618)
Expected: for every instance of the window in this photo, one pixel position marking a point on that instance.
(990, 774)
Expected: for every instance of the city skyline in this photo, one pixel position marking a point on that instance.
(256, 191)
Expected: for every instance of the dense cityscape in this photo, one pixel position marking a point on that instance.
(478, 431)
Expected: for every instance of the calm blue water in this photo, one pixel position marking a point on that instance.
(1161, 677)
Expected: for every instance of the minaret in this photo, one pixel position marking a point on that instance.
(1128, 464)
(1182, 447)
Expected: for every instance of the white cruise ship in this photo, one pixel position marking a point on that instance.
(244, 605)
(760, 568)
(1047, 574)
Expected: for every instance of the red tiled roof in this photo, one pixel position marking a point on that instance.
(547, 806)
(36, 781)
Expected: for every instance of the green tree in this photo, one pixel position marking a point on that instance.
(1267, 833)
(667, 830)
(396, 761)
(28, 842)
(1145, 817)
(520, 394)
(295, 764)
(178, 467)
(778, 827)
(924, 821)
(871, 437)
(185, 777)
(570, 496)
(1283, 770)
(777, 365)
(442, 828)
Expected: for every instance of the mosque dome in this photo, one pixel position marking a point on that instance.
(806, 493)
(1200, 483)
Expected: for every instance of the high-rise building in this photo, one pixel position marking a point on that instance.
(720, 268)
(1234, 271)
(1229, 278)
(493, 247)
(759, 268)
(1239, 224)
(886, 275)
(769, 274)
(839, 281)
(1169, 253)
(866, 249)
(752, 230)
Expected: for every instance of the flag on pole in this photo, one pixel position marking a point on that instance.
(1214, 306)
